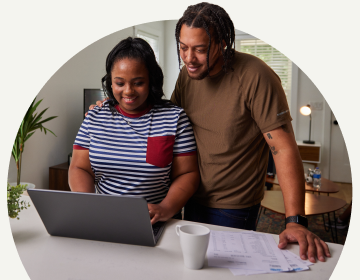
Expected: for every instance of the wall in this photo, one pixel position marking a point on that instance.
(320, 125)
(171, 67)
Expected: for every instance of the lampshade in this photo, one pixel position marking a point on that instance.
(305, 110)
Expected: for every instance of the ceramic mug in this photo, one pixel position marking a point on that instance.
(194, 241)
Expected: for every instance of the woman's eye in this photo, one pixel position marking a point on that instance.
(120, 84)
(200, 51)
(139, 83)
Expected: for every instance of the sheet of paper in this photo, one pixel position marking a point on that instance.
(293, 260)
(246, 250)
(227, 249)
(306, 262)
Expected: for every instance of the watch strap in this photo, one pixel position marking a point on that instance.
(298, 219)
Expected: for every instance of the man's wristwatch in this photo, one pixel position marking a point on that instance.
(301, 220)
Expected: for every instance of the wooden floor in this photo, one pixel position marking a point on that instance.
(345, 192)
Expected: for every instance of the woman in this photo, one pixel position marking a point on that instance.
(136, 143)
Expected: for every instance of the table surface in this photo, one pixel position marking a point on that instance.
(327, 186)
(314, 204)
(48, 257)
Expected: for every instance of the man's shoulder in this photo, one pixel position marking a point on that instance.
(248, 62)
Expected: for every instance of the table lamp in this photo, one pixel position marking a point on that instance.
(306, 111)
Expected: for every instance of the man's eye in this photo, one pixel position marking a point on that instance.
(184, 49)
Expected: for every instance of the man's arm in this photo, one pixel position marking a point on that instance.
(290, 174)
(185, 181)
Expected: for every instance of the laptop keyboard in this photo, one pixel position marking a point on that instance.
(158, 229)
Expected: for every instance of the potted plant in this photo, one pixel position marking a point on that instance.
(13, 200)
(32, 121)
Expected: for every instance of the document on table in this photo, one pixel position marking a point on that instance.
(294, 261)
(249, 253)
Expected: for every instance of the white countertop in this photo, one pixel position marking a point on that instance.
(47, 257)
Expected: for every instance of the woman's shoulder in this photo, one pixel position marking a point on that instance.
(102, 111)
(168, 108)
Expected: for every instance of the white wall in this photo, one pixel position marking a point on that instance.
(171, 67)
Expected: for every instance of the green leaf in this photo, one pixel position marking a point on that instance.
(38, 118)
(31, 122)
(28, 136)
(48, 119)
(51, 132)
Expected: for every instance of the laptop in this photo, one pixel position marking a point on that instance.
(100, 217)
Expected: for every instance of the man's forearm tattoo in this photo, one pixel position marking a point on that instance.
(269, 136)
(272, 149)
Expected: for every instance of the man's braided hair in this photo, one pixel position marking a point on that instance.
(217, 24)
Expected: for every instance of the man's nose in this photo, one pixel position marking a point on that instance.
(190, 56)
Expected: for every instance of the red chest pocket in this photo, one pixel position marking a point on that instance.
(160, 150)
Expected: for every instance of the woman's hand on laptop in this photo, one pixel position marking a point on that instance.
(98, 103)
(159, 213)
(185, 181)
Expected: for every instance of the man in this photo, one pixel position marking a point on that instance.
(238, 110)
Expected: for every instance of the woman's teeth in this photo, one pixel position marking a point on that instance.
(129, 99)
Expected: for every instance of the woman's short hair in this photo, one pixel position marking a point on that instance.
(135, 48)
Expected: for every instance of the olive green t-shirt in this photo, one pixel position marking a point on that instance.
(229, 113)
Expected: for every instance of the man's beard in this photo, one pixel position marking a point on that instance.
(205, 73)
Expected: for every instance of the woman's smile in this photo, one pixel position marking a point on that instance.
(129, 100)
(130, 85)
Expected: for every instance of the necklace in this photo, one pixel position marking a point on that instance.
(125, 118)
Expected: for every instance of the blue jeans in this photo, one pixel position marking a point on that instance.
(236, 218)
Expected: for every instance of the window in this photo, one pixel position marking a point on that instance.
(153, 41)
(272, 57)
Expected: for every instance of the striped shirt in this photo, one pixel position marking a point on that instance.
(132, 154)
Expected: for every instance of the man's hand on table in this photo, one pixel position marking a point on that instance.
(311, 246)
(98, 103)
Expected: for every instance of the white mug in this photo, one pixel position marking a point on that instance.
(194, 240)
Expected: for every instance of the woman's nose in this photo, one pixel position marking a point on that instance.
(128, 89)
